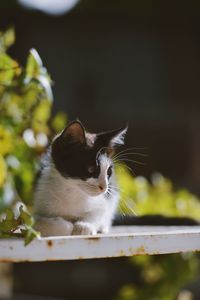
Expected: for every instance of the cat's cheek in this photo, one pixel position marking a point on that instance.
(91, 181)
(84, 228)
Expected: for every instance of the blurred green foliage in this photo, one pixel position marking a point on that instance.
(142, 197)
(25, 111)
(161, 277)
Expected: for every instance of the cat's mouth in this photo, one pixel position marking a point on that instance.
(94, 190)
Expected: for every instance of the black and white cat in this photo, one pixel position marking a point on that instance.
(77, 193)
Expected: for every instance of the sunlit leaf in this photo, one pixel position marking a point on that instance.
(59, 121)
(6, 141)
(8, 69)
(41, 114)
(26, 217)
(9, 213)
(44, 80)
(30, 234)
(3, 170)
(36, 70)
(7, 226)
(157, 198)
(7, 39)
(34, 64)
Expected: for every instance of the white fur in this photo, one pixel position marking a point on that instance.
(65, 206)
(119, 138)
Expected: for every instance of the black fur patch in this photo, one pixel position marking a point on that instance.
(73, 156)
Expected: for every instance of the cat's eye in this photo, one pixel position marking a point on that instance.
(109, 171)
(91, 169)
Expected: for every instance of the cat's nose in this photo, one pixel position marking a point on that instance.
(101, 187)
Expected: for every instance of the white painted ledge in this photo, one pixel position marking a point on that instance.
(121, 241)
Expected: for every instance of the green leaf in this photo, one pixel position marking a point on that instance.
(27, 219)
(45, 82)
(9, 68)
(7, 39)
(34, 64)
(8, 226)
(59, 122)
(30, 234)
(6, 141)
(3, 171)
(9, 213)
(5, 235)
(36, 70)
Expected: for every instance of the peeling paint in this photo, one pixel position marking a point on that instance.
(137, 241)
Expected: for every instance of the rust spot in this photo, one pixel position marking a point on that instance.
(122, 253)
(11, 260)
(93, 239)
(6, 260)
(141, 250)
(49, 243)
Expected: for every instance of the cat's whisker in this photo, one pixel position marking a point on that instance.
(127, 167)
(114, 188)
(122, 158)
(130, 153)
(113, 191)
(125, 208)
(132, 148)
(122, 208)
(128, 149)
(131, 160)
(122, 191)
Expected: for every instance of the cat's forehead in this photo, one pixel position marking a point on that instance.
(95, 156)
(104, 160)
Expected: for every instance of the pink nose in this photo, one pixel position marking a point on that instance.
(101, 187)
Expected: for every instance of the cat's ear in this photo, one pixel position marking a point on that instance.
(74, 132)
(114, 138)
(118, 137)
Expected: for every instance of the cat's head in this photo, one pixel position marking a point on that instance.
(86, 157)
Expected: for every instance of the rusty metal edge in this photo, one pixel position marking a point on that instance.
(101, 246)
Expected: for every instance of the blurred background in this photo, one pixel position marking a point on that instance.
(112, 63)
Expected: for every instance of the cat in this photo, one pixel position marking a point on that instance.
(77, 193)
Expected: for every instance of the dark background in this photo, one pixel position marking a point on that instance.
(114, 62)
